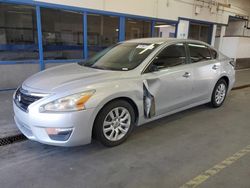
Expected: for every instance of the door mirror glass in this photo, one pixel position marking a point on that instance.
(153, 68)
(159, 63)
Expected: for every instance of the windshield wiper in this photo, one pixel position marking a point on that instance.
(96, 67)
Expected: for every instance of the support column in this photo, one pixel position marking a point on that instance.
(214, 34)
(222, 34)
(122, 29)
(40, 37)
(183, 29)
(85, 36)
(153, 28)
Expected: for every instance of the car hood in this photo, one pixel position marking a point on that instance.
(65, 75)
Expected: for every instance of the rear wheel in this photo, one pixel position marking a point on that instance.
(219, 93)
(114, 123)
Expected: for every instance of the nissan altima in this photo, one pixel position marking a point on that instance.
(123, 86)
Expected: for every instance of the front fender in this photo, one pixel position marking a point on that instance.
(114, 90)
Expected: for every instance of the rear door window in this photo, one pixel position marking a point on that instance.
(199, 53)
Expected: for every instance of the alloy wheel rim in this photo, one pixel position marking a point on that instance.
(116, 124)
(220, 93)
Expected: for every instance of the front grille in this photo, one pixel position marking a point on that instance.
(24, 99)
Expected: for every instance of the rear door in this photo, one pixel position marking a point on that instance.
(205, 70)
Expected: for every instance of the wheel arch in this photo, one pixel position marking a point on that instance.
(124, 98)
(226, 79)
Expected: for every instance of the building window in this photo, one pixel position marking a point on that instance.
(237, 27)
(162, 29)
(103, 31)
(137, 29)
(62, 34)
(18, 33)
(200, 32)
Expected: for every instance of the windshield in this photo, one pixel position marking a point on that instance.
(123, 57)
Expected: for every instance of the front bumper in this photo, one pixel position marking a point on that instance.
(32, 124)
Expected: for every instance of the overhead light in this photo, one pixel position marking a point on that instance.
(94, 15)
(18, 12)
(159, 26)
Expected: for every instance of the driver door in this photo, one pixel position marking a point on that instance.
(169, 79)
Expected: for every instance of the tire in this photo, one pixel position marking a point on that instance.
(219, 93)
(112, 130)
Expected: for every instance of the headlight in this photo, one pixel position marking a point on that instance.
(73, 102)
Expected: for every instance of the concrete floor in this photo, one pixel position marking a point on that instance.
(7, 125)
(165, 153)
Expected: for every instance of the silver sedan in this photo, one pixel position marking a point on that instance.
(126, 85)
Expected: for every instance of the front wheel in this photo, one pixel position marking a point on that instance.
(219, 93)
(114, 123)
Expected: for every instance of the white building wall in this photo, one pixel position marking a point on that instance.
(236, 47)
(165, 9)
(243, 50)
(229, 46)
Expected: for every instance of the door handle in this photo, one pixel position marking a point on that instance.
(215, 67)
(186, 75)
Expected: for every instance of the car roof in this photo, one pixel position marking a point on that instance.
(162, 40)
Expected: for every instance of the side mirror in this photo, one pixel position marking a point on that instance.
(153, 68)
